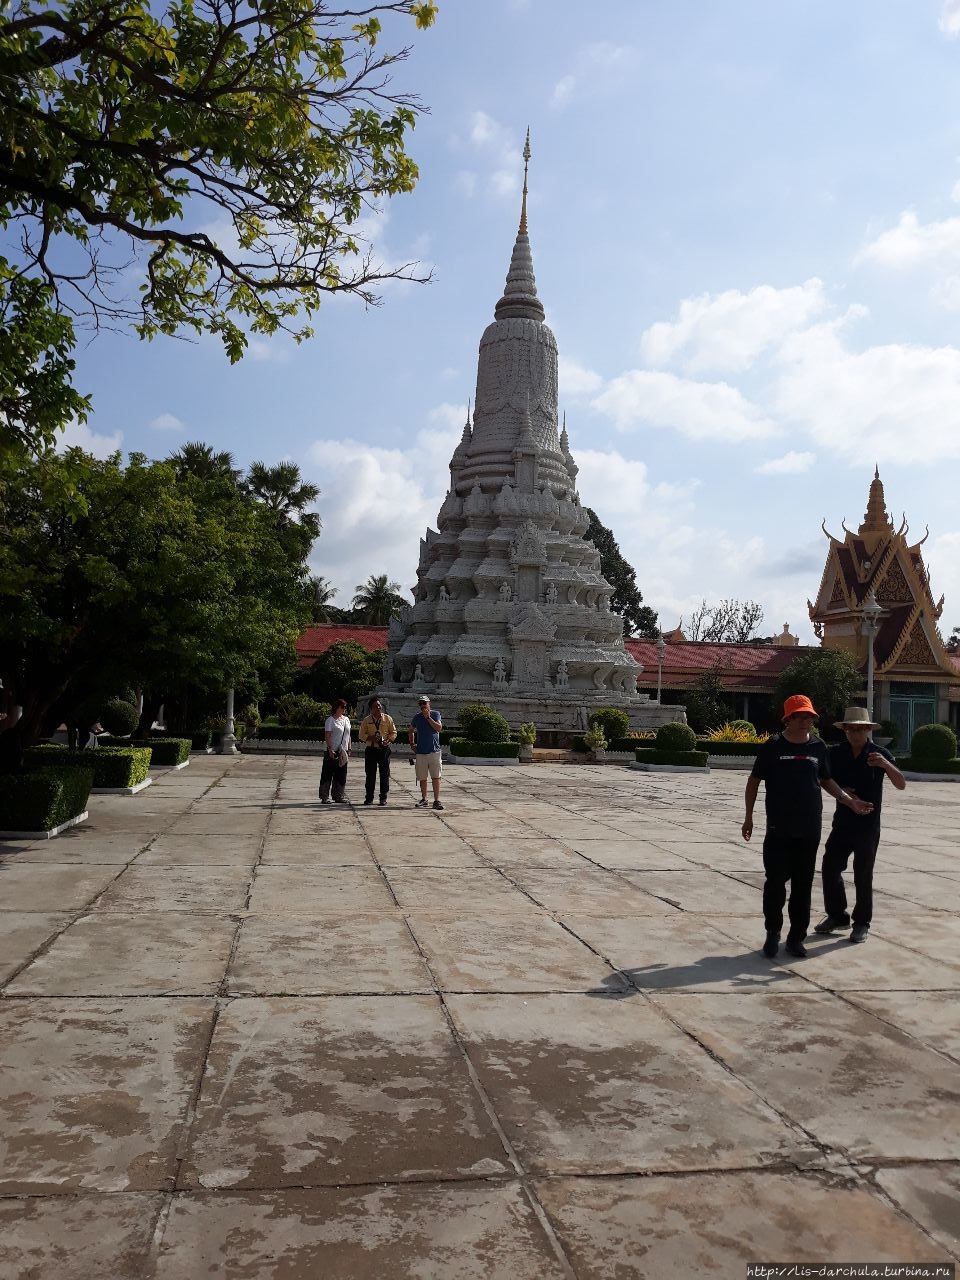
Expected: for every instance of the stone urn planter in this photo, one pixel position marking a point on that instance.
(526, 753)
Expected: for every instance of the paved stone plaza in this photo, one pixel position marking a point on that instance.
(529, 1037)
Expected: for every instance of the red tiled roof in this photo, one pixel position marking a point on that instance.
(318, 639)
(742, 665)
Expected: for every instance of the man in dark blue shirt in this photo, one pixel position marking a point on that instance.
(425, 741)
(859, 766)
(793, 766)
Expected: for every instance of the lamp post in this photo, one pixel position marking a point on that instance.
(228, 741)
(871, 613)
(661, 650)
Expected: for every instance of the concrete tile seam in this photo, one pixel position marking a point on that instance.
(847, 997)
(881, 1192)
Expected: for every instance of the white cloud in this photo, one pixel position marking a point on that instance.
(893, 403)
(576, 380)
(377, 503)
(78, 435)
(912, 243)
(166, 422)
(726, 332)
(950, 18)
(600, 66)
(790, 464)
(698, 410)
(502, 151)
(946, 293)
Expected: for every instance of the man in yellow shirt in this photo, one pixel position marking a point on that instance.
(377, 732)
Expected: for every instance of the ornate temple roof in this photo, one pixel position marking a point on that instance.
(879, 559)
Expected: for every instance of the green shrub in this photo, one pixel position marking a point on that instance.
(249, 716)
(745, 726)
(166, 750)
(728, 748)
(655, 755)
(676, 736)
(112, 766)
(290, 733)
(485, 749)
(595, 739)
(43, 800)
(119, 718)
(614, 722)
(299, 709)
(527, 734)
(489, 726)
(927, 764)
(466, 714)
(630, 742)
(933, 742)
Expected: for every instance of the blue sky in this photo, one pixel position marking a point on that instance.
(745, 222)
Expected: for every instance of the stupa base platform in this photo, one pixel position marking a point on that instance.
(550, 712)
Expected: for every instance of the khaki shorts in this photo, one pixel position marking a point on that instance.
(427, 766)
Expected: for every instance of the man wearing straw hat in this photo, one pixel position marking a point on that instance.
(859, 766)
(793, 766)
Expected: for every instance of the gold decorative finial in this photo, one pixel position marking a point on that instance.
(526, 162)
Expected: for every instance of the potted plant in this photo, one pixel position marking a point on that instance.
(596, 742)
(527, 733)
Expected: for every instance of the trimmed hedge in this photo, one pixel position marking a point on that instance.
(654, 755)
(728, 748)
(628, 744)
(43, 800)
(492, 750)
(112, 766)
(925, 764)
(933, 742)
(119, 716)
(166, 750)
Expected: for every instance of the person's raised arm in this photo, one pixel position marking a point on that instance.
(879, 761)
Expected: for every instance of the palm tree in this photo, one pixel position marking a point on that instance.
(321, 593)
(198, 459)
(285, 492)
(377, 600)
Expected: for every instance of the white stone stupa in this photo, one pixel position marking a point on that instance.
(510, 606)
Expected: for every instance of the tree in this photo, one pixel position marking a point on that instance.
(829, 678)
(284, 492)
(227, 149)
(706, 700)
(378, 600)
(146, 580)
(321, 593)
(345, 670)
(199, 460)
(638, 619)
(729, 622)
(953, 641)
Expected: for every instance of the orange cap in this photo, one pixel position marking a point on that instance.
(798, 702)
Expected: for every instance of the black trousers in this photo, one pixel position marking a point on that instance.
(335, 774)
(841, 843)
(792, 858)
(377, 760)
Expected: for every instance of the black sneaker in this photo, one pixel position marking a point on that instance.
(860, 933)
(370, 801)
(830, 924)
(772, 945)
(421, 804)
(795, 948)
(383, 799)
(437, 804)
(325, 802)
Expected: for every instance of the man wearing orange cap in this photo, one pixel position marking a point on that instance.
(795, 770)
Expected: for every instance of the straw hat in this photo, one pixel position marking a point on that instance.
(856, 718)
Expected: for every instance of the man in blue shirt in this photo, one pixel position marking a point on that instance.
(859, 766)
(425, 740)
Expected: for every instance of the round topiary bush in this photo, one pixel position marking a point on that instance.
(489, 726)
(744, 726)
(467, 714)
(934, 742)
(299, 709)
(614, 722)
(119, 718)
(676, 737)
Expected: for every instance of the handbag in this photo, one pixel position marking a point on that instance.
(342, 756)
